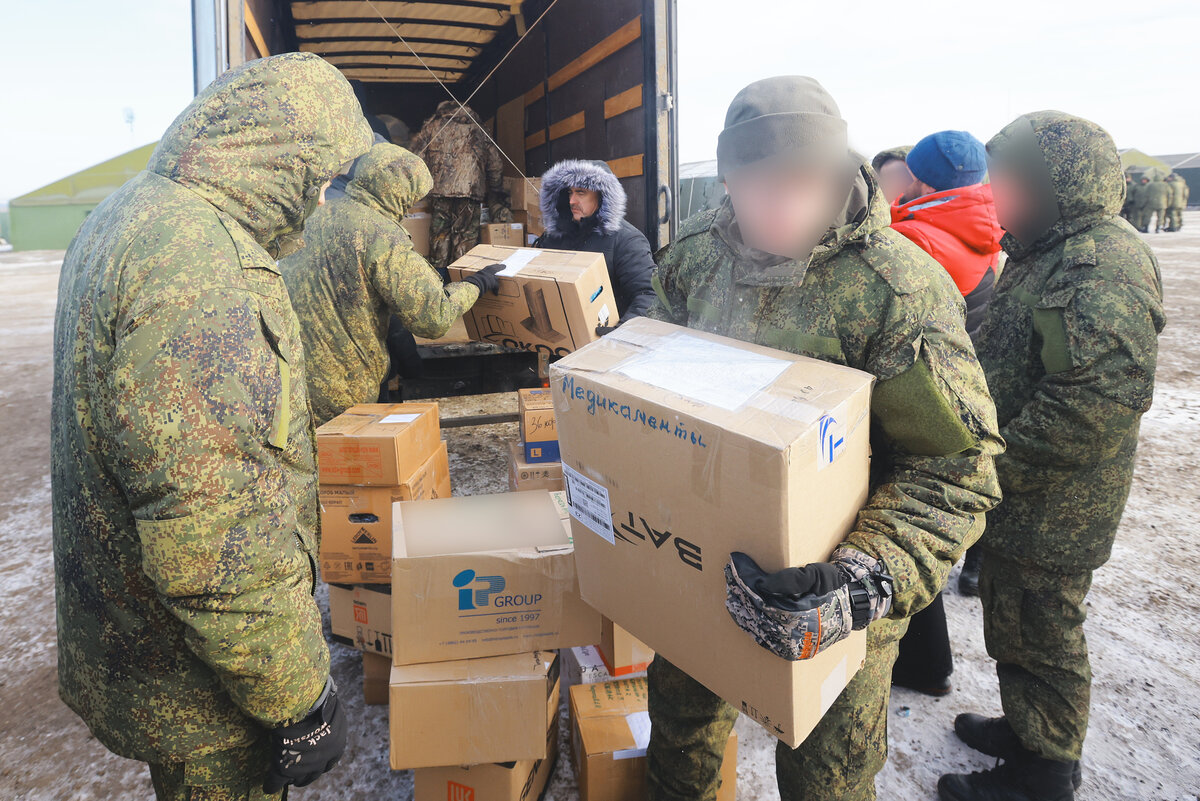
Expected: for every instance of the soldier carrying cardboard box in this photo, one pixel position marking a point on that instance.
(800, 257)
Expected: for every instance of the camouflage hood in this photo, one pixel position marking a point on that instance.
(1068, 161)
(259, 142)
(390, 180)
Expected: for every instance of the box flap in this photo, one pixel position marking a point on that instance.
(476, 524)
(515, 667)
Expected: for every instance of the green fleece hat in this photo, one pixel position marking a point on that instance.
(788, 117)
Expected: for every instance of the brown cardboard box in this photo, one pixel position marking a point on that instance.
(472, 711)
(356, 522)
(548, 300)
(523, 194)
(623, 653)
(361, 617)
(376, 671)
(508, 234)
(610, 728)
(681, 446)
(532, 220)
(417, 224)
(507, 781)
(535, 414)
(377, 444)
(482, 576)
(523, 475)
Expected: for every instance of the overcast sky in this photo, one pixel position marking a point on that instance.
(898, 71)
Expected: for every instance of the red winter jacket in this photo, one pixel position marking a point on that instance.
(958, 228)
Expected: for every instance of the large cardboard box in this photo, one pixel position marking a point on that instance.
(524, 194)
(506, 781)
(524, 476)
(361, 617)
(535, 414)
(681, 446)
(548, 300)
(356, 521)
(417, 225)
(532, 220)
(485, 575)
(623, 654)
(377, 444)
(472, 711)
(610, 729)
(376, 671)
(509, 234)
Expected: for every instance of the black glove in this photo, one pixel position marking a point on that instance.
(798, 612)
(601, 330)
(486, 279)
(301, 752)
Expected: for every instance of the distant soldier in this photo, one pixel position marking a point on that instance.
(183, 469)
(1130, 198)
(467, 172)
(1158, 198)
(1139, 204)
(1069, 346)
(1179, 201)
(356, 270)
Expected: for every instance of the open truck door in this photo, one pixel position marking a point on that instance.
(552, 80)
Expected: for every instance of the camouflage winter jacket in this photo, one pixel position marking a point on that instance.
(183, 468)
(1158, 194)
(462, 160)
(1179, 193)
(356, 270)
(870, 299)
(1069, 347)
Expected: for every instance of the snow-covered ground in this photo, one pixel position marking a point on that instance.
(1144, 741)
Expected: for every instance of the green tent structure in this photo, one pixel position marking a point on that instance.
(1137, 162)
(47, 218)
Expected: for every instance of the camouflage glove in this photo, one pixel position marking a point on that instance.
(486, 279)
(798, 612)
(500, 213)
(301, 752)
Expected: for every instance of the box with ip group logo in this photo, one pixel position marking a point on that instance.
(485, 575)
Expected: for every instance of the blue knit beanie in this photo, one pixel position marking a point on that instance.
(948, 160)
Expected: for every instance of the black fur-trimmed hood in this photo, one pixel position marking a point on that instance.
(595, 175)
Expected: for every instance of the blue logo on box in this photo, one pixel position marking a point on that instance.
(474, 598)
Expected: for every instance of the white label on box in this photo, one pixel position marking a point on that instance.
(517, 261)
(705, 371)
(588, 502)
(639, 727)
(604, 315)
(399, 418)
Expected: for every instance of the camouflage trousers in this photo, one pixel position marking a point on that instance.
(1033, 628)
(1155, 215)
(838, 761)
(233, 775)
(453, 229)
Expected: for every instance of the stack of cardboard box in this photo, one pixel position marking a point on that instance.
(533, 461)
(510, 234)
(524, 199)
(483, 591)
(370, 457)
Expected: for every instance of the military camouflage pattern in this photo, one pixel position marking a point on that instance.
(453, 229)
(870, 299)
(464, 163)
(1069, 347)
(1179, 201)
(183, 468)
(1157, 199)
(1033, 628)
(1128, 208)
(837, 762)
(356, 270)
(233, 775)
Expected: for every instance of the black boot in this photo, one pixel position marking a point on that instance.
(968, 579)
(995, 737)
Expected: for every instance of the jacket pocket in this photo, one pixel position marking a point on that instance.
(1049, 322)
(276, 335)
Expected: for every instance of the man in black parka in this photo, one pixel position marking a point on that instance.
(583, 206)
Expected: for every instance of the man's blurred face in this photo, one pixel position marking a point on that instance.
(785, 211)
(584, 202)
(1013, 203)
(894, 179)
(321, 197)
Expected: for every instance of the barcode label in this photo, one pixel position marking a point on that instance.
(588, 502)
